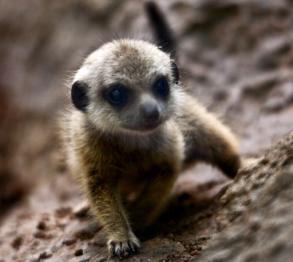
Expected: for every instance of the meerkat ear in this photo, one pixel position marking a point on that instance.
(175, 72)
(79, 95)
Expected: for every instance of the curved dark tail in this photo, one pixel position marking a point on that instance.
(161, 29)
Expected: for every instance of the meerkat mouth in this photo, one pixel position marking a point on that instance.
(144, 128)
(151, 126)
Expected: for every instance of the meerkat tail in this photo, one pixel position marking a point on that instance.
(161, 29)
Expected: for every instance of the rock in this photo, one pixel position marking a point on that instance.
(263, 231)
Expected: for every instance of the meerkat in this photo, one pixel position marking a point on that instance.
(131, 129)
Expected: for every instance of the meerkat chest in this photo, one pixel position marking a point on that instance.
(143, 166)
(138, 159)
(144, 163)
(163, 154)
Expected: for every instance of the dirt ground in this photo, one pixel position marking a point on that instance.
(236, 57)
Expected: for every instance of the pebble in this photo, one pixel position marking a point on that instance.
(81, 210)
(42, 225)
(45, 255)
(78, 252)
(17, 242)
(69, 241)
(63, 212)
(42, 235)
(87, 232)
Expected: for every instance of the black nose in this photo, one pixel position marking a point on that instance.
(150, 112)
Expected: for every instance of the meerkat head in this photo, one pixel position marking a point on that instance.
(128, 85)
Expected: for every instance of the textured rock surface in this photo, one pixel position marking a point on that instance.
(235, 56)
(260, 204)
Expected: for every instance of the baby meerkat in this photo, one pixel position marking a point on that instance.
(131, 130)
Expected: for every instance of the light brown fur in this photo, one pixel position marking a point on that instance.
(128, 175)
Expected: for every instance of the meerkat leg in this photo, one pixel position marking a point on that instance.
(207, 139)
(106, 205)
(152, 200)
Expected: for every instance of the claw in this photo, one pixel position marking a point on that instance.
(123, 249)
(134, 247)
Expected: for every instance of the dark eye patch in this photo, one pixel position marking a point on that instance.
(117, 95)
(161, 87)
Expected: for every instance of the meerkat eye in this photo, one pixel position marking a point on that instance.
(161, 87)
(117, 95)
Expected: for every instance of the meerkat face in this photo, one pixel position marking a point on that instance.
(126, 85)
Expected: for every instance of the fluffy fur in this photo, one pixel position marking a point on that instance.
(127, 172)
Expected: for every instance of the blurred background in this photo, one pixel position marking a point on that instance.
(236, 57)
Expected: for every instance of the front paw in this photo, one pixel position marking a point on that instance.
(123, 248)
